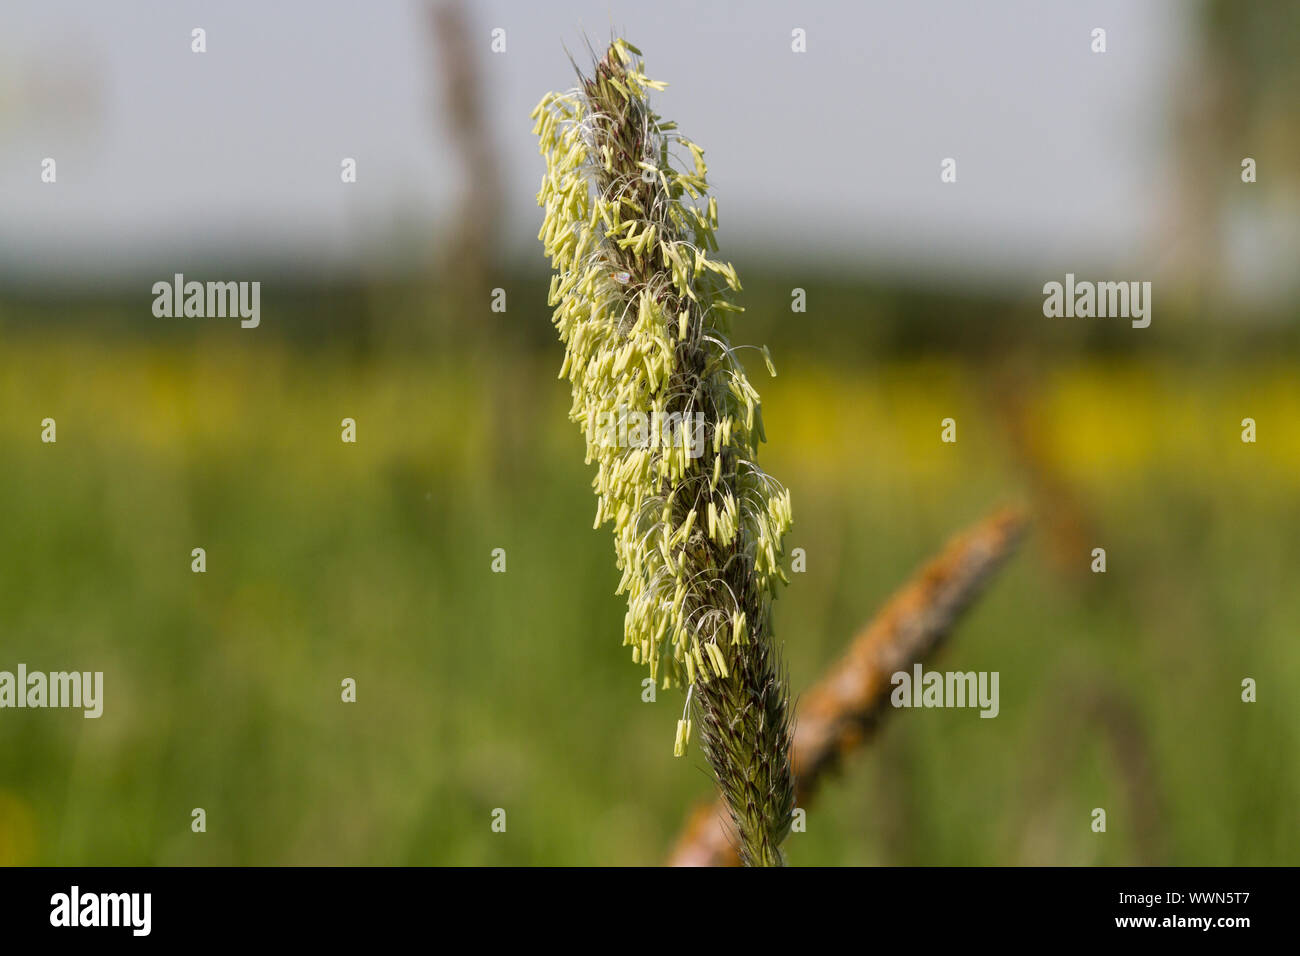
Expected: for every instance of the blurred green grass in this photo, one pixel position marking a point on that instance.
(479, 690)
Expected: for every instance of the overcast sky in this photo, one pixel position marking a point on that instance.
(162, 153)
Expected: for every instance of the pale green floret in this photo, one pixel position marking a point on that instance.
(634, 292)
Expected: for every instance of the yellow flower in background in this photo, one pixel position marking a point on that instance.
(17, 831)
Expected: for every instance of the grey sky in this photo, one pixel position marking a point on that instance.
(164, 155)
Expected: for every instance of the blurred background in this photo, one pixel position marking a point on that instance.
(372, 561)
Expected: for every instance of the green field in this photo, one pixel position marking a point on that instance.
(479, 690)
